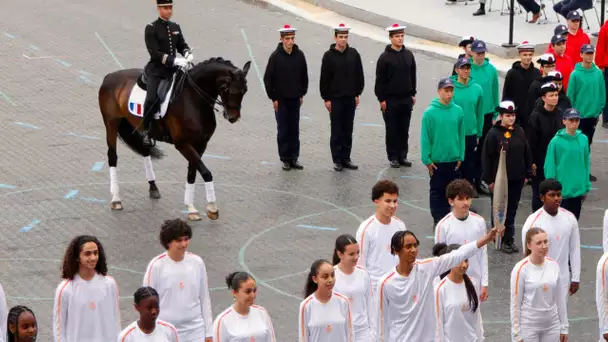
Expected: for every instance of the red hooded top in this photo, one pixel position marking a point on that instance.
(564, 65)
(601, 50)
(573, 45)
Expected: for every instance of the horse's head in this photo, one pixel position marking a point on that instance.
(232, 88)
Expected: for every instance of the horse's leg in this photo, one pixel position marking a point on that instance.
(154, 193)
(193, 214)
(194, 158)
(111, 138)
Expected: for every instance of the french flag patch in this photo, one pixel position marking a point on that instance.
(135, 108)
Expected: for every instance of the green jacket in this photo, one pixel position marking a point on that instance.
(442, 135)
(470, 98)
(487, 77)
(568, 161)
(587, 90)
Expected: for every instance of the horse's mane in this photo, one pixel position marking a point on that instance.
(213, 62)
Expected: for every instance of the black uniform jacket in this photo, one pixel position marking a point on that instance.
(341, 73)
(395, 74)
(542, 127)
(519, 158)
(286, 75)
(163, 39)
(517, 84)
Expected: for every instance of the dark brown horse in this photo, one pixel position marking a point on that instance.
(188, 124)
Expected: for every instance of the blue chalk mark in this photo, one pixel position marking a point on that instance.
(252, 58)
(216, 156)
(85, 79)
(306, 117)
(83, 136)
(94, 200)
(64, 63)
(603, 141)
(316, 227)
(86, 73)
(26, 125)
(6, 186)
(29, 226)
(34, 47)
(97, 166)
(595, 188)
(415, 177)
(591, 247)
(71, 194)
(109, 50)
(9, 35)
(268, 163)
(429, 237)
(7, 99)
(371, 125)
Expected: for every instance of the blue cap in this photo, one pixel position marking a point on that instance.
(571, 113)
(558, 38)
(462, 61)
(478, 46)
(574, 15)
(587, 48)
(445, 82)
(560, 29)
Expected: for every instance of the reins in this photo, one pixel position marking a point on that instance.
(203, 94)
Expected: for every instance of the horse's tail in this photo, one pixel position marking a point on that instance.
(134, 140)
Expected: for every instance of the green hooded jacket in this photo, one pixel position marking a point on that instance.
(587, 90)
(442, 133)
(568, 161)
(470, 98)
(487, 77)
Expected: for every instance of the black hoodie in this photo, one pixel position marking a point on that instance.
(541, 129)
(519, 158)
(286, 75)
(395, 74)
(341, 73)
(534, 94)
(517, 84)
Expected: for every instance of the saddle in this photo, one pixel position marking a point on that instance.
(138, 96)
(163, 87)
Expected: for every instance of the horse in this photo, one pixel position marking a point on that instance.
(188, 124)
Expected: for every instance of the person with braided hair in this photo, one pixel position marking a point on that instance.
(243, 321)
(21, 325)
(457, 302)
(148, 328)
(86, 301)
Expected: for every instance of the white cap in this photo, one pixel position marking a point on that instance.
(525, 45)
(342, 28)
(506, 107)
(395, 27)
(287, 29)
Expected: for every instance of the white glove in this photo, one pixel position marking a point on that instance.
(180, 62)
(189, 57)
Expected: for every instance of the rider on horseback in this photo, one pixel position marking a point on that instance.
(163, 39)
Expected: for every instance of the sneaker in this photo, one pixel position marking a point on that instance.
(479, 12)
(507, 248)
(349, 165)
(592, 178)
(286, 166)
(405, 162)
(395, 164)
(338, 167)
(296, 165)
(514, 247)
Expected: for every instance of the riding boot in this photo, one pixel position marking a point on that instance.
(147, 139)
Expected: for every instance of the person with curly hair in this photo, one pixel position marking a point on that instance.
(180, 277)
(86, 301)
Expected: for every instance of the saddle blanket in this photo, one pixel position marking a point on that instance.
(138, 97)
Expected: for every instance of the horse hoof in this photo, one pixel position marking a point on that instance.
(214, 215)
(194, 217)
(116, 205)
(155, 194)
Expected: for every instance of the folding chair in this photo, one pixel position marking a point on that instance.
(597, 15)
(502, 10)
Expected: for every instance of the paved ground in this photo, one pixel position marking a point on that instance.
(52, 186)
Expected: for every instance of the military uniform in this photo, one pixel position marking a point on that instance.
(163, 39)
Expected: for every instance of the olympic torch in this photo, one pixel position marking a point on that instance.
(500, 196)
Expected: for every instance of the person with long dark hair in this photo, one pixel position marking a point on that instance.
(537, 311)
(148, 327)
(86, 301)
(324, 315)
(457, 302)
(243, 320)
(181, 279)
(406, 305)
(354, 282)
(21, 325)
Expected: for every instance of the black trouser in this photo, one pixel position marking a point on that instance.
(468, 170)
(487, 124)
(605, 115)
(151, 103)
(342, 117)
(565, 6)
(573, 205)
(288, 129)
(530, 6)
(587, 126)
(397, 125)
(536, 180)
(514, 195)
(438, 202)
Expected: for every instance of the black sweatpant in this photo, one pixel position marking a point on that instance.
(536, 180)
(487, 124)
(397, 125)
(468, 168)
(342, 117)
(514, 187)
(573, 205)
(288, 129)
(438, 202)
(587, 126)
